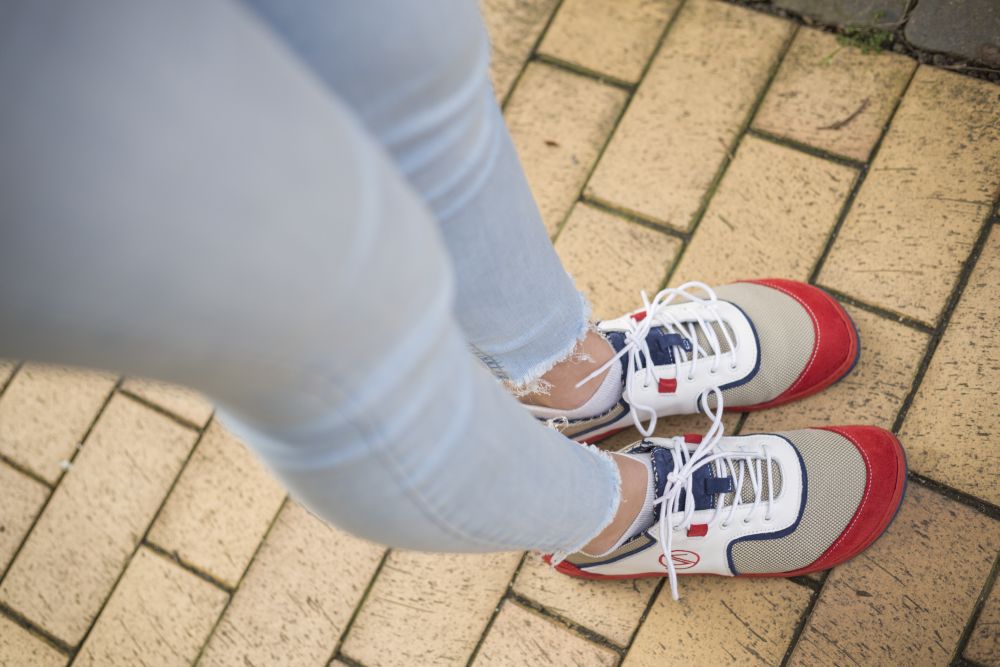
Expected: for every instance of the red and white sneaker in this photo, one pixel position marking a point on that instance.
(762, 342)
(762, 505)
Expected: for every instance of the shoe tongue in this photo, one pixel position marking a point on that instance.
(617, 340)
(702, 484)
(662, 343)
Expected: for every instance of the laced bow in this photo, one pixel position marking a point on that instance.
(640, 358)
(680, 482)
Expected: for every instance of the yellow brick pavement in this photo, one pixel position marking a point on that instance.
(665, 140)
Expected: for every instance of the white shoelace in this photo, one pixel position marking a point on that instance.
(637, 347)
(680, 481)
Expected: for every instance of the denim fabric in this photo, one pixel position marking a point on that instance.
(417, 76)
(188, 193)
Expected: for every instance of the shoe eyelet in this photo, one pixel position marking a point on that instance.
(746, 520)
(724, 525)
(690, 378)
(768, 519)
(732, 367)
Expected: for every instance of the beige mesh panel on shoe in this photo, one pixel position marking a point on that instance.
(720, 337)
(786, 336)
(746, 492)
(836, 476)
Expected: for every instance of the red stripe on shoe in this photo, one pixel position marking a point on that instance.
(885, 463)
(836, 342)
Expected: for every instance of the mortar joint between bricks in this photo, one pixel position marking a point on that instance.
(508, 592)
(800, 626)
(175, 558)
(944, 319)
(576, 628)
(229, 600)
(977, 611)
(37, 631)
(531, 55)
(54, 486)
(978, 504)
(182, 421)
(145, 535)
(580, 70)
(859, 181)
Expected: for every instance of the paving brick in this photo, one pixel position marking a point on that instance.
(687, 112)
(610, 37)
(309, 577)
(964, 28)
(45, 412)
(609, 608)
(21, 498)
(560, 121)
(984, 643)
(514, 27)
(220, 507)
(952, 427)
(159, 614)
(906, 600)
(428, 608)
(872, 394)
(95, 518)
(833, 96)
(771, 216)
(20, 647)
(720, 620)
(884, 14)
(522, 637)
(924, 200)
(185, 403)
(613, 259)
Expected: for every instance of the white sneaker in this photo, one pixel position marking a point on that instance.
(764, 505)
(762, 342)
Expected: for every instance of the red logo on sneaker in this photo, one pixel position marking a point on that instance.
(683, 560)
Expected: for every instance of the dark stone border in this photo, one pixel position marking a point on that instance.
(897, 40)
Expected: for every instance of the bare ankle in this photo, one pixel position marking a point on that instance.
(634, 484)
(560, 381)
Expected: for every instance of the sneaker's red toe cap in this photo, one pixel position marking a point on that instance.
(885, 463)
(836, 347)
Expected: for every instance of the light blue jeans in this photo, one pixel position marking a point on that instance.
(309, 211)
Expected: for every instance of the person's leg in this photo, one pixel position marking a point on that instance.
(417, 75)
(180, 199)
